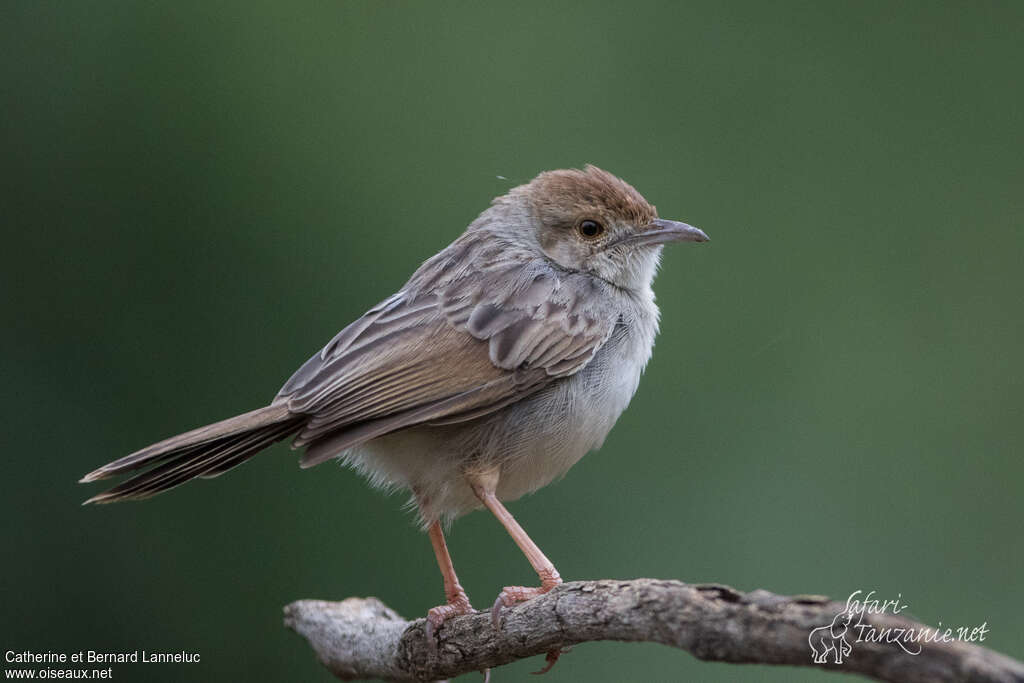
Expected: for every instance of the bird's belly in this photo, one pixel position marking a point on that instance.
(533, 441)
(547, 434)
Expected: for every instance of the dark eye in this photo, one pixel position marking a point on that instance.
(590, 229)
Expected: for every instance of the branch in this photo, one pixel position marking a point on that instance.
(361, 638)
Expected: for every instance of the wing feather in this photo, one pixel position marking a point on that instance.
(455, 344)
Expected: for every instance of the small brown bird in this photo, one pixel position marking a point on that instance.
(501, 362)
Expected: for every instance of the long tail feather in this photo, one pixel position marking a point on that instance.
(205, 452)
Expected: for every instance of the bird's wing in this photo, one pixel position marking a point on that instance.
(450, 352)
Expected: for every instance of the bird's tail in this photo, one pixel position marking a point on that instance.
(205, 452)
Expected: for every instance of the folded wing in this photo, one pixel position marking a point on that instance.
(449, 347)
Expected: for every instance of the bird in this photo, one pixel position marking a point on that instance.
(504, 359)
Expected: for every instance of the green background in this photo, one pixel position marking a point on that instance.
(197, 196)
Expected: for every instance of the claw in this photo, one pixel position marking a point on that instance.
(549, 661)
(437, 616)
(429, 629)
(496, 612)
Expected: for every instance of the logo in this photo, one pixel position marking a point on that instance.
(834, 642)
(831, 639)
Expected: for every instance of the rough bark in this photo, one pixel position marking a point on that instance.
(361, 638)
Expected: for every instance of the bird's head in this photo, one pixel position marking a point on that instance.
(594, 222)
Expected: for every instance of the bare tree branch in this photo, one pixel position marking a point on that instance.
(361, 638)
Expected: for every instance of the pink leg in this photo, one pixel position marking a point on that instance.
(458, 601)
(483, 486)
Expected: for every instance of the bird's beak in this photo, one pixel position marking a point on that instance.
(662, 231)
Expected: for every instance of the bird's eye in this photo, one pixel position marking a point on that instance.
(590, 229)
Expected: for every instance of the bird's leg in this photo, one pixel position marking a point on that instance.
(457, 600)
(484, 485)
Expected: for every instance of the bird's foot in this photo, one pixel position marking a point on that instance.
(511, 595)
(458, 604)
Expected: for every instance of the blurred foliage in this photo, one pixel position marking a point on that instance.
(196, 196)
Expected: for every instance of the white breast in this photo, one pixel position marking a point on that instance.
(547, 434)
